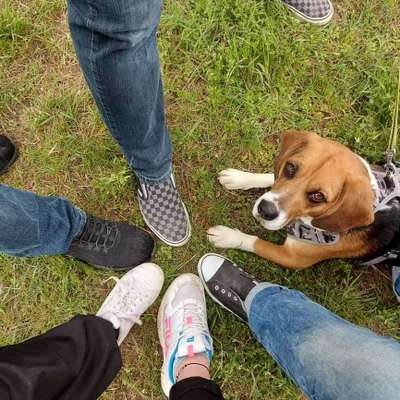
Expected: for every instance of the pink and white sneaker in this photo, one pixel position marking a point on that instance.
(182, 326)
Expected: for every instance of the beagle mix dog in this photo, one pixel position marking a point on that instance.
(330, 200)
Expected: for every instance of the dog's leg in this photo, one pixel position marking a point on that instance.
(290, 255)
(235, 179)
(228, 238)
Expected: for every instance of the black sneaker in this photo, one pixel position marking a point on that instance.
(113, 245)
(226, 283)
(8, 154)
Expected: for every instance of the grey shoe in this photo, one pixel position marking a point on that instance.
(318, 12)
(164, 212)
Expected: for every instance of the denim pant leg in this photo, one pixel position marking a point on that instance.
(32, 225)
(115, 41)
(327, 357)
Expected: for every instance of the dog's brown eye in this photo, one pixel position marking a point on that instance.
(289, 170)
(316, 197)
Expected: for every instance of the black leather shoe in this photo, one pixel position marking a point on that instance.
(112, 245)
(8, 154)
(226, 283)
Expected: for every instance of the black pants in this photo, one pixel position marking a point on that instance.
(76, 361)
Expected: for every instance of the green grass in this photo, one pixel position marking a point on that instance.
(236, 74)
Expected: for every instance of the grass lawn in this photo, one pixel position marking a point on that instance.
(236, 73)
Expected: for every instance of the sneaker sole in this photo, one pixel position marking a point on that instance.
(120, 269)
(316, 21)
(165, 384)
(213, 298)
(10, 163)
(161, 237)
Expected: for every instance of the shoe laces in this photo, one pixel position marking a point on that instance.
(130, 298)
(99, 234)
(192, 310)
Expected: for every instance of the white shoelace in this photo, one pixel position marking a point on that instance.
(198, 325)
(128, 300)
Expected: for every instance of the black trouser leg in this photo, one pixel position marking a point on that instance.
(75, 361)
(196, 389)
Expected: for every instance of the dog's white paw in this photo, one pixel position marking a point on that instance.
(228, 238)
(234, 179)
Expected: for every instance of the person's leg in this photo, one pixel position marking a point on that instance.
(327, 357)
(79, 359)
(186, 342)
(32, 225)
(116, 45)
(76, 360)
(196, 388)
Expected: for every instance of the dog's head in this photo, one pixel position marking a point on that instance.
(318, 181)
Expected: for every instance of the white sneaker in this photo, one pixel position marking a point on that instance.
(182, 326)
(133, 294)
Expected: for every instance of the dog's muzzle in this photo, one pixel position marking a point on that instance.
(267, 210)
(268, 213)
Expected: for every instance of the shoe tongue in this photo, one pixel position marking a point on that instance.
(191, 345)
(190, 294)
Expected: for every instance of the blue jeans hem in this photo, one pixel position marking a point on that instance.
(254, 292)
(151, 180)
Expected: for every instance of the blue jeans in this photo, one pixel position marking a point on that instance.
(32, 225)
(327, 357)
(115, 41)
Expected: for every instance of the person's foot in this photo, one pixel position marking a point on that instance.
(226, 283)
(396, 281)
(114, 245)
(133, 294)
(318, 12)
(164, 211)
(182, 326)
(8, 154)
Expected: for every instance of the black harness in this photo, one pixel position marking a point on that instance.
(388, 188)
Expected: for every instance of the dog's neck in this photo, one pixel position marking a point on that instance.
(372, 179)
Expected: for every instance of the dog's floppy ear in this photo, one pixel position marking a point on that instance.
(291, 143)
(353, 209)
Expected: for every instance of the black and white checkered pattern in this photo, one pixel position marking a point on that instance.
(164, 212)
(311, 10)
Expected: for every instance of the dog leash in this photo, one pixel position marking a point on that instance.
(390, 165)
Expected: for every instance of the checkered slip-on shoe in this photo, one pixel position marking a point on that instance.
(164, 211)
(318, 12)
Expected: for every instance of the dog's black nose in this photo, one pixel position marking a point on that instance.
(267, 210)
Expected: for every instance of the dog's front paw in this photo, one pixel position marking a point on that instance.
(228, 238)
(234, 179)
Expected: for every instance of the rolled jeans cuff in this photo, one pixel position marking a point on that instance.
(254, 292)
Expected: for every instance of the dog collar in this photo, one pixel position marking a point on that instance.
(307, 233)
(388, 188)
